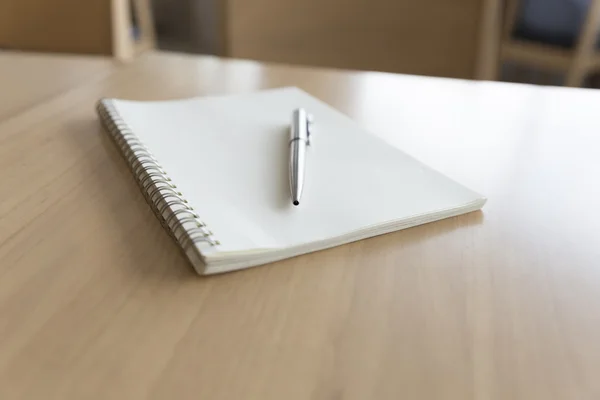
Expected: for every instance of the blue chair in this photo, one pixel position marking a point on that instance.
(555, 35)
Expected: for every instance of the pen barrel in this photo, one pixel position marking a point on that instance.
(299, 139)
(296, 168)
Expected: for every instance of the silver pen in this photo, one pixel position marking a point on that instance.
(300, 135)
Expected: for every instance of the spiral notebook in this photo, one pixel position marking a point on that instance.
(215, 172)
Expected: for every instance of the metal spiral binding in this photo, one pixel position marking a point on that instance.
(170, 207)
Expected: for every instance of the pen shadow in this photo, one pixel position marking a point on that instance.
(122, 215)
(280, 169)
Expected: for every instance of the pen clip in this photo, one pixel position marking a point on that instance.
(310, 120)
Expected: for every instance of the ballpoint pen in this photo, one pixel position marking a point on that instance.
(300, 135)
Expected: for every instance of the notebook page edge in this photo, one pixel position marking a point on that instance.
(283, 254)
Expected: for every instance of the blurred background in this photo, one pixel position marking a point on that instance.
(550, 42)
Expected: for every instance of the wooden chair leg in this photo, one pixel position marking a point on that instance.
(143, 11)
(489, 45)
(511, 13)
(585, 48)
(122, 43)
(125, 45)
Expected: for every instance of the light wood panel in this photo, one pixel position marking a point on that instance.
(71, 26)
(434, 37)
(96, 302)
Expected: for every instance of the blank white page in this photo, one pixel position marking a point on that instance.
(229, 157)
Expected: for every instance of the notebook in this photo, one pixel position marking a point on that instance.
(215, 172)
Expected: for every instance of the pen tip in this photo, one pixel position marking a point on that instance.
(296, 202)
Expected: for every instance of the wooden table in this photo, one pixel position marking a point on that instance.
(96, 302)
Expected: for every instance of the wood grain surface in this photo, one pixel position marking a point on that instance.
(27, 80)
(97, 302)
(434, 37)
